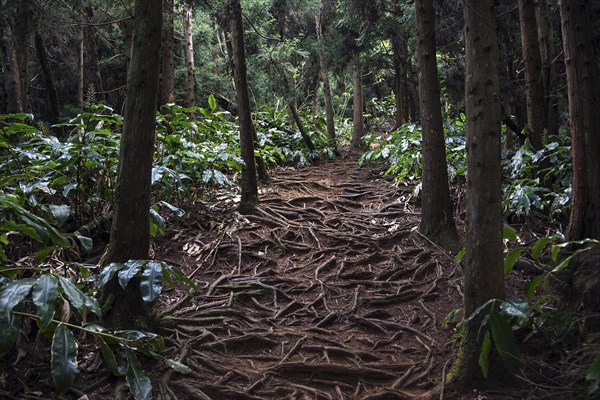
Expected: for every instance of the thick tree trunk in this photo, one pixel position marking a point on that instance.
(10, 66)
(534, 84)
(54, 109)
(358, 120)
(437, 222)
(484, 277)
(130, 233)
(190, 87)
(168, 55)
(584, 103)
(249, 198)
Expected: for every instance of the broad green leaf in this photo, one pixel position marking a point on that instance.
(212, 102)
(539, 247)
(107, 274)
(43, 252)
(178, 366)
(511, 258)
(515, 307)
(484, 354)
(60, 213)
(12, 226)
(10, 327)
(132, 267)
(17, 116)
(151, 284)
(64, 358)
(76, 297)
(13, 293)
(505, 341)
(134, 335)
(44, 295)
(86, 242)
(176, 272)
(176, 210)
(460, 255)
(509, 233)
(532, 285)
(139, 384)
(93, 305)
(110, 359)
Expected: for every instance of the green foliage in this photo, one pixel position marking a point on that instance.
(539, 180)
(41, 298)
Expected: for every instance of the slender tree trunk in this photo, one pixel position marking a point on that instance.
(324, 72)
(189, 56)
(358, 120)
(584, 104)
(92, 75)
(534, 84)
(547, 55)
(168, 55)
(53, 101)
(437, 222)
(10, 66)
(249, 198)
(130, 233)
(484, 277)
(22, 34)
(300, 125)
(81, 57)
(399, 58)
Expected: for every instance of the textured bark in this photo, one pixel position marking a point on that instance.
(92, 73)
(168, 59)
(10, 66)
(358, 122)
(324, 73)
(54, 109)
(249, 198)
(22, 35)
(190, 86)
(584, 103)
(130, 233)
(534, 84)
(300, 125)
(547, 55)
(400, 60)
(81, 57)
(484, 278)
(436, 210)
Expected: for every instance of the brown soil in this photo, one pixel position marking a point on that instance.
(325, 292)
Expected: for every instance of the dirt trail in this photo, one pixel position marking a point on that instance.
(324, 293)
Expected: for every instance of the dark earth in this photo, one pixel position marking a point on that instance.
(326, 291)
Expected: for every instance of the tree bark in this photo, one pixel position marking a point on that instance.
(53, 101)
(484, 277)
(534, 84)
(300, 125)
(130, 233)
(10, 66)
(358, 119)
(399, 58)
(81, 57)
(249, 198)
(547, 55)
(189, 56)
(22, 34)
(324, 72)
(584, 103)
(168, 55)
(437, 222)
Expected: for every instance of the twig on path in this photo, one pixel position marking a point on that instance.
(294, 349)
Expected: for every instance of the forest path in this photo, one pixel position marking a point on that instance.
(325, 292)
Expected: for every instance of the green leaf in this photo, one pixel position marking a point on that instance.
(107, 274)
(505, 341)
(139, 384)
(13, 293)
(515, 307)
(509, 233)
(554, 251)
(460, 255)
(176, 272)
(43, 252)
(593, 372)
(86, 242)
(484, 354)
(64, 358)
(76, 297)
(177, 366)
(132, 267)
(511, 258)
(212, 102)
(151, 284)
(44, 295)
(539, 247)
(60, 213)
(10, 329)
(110, 359)
(532, 285)
(175, 210)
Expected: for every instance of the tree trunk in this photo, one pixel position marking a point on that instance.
(130, 233)
(358, 120)
(584, 103)
(10, 66)
(324, 72)
(53, 101)
(534, 85)
(22, 34)
(93, 78)
(81, 58)
(168, 55)
(484, 277)
(300, 125)
(399, 58)
(249, 198)
(437, 222)
(547, 55)
(190, 87)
